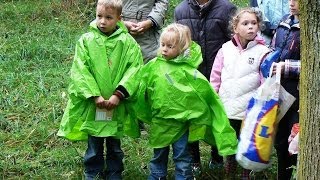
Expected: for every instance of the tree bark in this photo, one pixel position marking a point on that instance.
(309, 140)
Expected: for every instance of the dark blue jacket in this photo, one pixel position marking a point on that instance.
(288, 40)
(208, 25)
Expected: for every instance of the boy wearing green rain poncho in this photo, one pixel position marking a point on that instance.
(104, 58)
(178, 103)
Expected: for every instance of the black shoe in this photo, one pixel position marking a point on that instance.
(196, 169)
(215, 165)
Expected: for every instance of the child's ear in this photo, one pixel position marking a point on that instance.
(235, 30)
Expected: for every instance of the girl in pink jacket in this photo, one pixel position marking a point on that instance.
(235, 74)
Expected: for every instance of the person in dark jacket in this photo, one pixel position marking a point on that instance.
(287, 39)
(208, 23)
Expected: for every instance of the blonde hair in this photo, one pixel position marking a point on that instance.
(252, 10)
(114, 4)
(181, 35)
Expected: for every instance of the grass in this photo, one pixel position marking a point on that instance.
(37, 41)
(36, 54)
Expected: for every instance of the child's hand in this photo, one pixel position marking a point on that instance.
(274, 70)
(112, 102)
(100, 102)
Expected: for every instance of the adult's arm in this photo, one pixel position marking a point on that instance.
(158, 12)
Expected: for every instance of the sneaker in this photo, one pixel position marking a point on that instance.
(196, 169)
(94, 176)
(247, 174)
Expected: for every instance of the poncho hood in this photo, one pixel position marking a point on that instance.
(191, 56)
(120, 25)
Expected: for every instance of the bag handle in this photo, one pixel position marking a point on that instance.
(278, 71)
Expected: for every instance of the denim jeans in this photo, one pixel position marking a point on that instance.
(181, 157)
(94, 161)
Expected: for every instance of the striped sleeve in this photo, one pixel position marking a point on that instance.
(292, 68)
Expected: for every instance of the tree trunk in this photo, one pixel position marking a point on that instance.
(309, 142)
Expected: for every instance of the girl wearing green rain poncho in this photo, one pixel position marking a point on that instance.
(178, 103)
(104, 57)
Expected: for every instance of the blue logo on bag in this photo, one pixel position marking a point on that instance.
(264, 131)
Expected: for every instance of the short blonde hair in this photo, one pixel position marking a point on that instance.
(181, 35)
(115, 4)
(252, 10)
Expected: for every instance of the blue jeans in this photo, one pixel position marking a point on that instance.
(94, 161)
(181, 157)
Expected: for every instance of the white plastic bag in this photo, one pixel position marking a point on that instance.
(285, 102)
(264, 112)
(257, 133)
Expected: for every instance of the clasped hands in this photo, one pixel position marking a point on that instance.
(109, 104)
(138, 28)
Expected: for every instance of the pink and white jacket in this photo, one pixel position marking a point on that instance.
(235, 74)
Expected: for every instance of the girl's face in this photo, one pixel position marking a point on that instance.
(247, 27)
(107, 18)
(169, 48)
(294, 7)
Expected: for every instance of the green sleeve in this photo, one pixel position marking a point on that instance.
(137, 103)
(83, 85)
(135, 61)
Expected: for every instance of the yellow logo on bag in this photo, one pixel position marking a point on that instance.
(264, 134)
(259, 149)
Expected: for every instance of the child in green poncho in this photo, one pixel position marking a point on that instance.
(178, 103)
(104, 57)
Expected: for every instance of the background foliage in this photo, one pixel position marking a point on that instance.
(37, 39)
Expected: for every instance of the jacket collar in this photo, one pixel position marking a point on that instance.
(257, 40)
(203, 10)
(119, 29)
(290, 22)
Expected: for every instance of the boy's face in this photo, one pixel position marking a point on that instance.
(107, 18)
(294, 7)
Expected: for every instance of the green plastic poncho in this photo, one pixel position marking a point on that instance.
(100, 63)
(173, 97)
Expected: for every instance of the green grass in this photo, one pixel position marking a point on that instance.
(37, 41)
